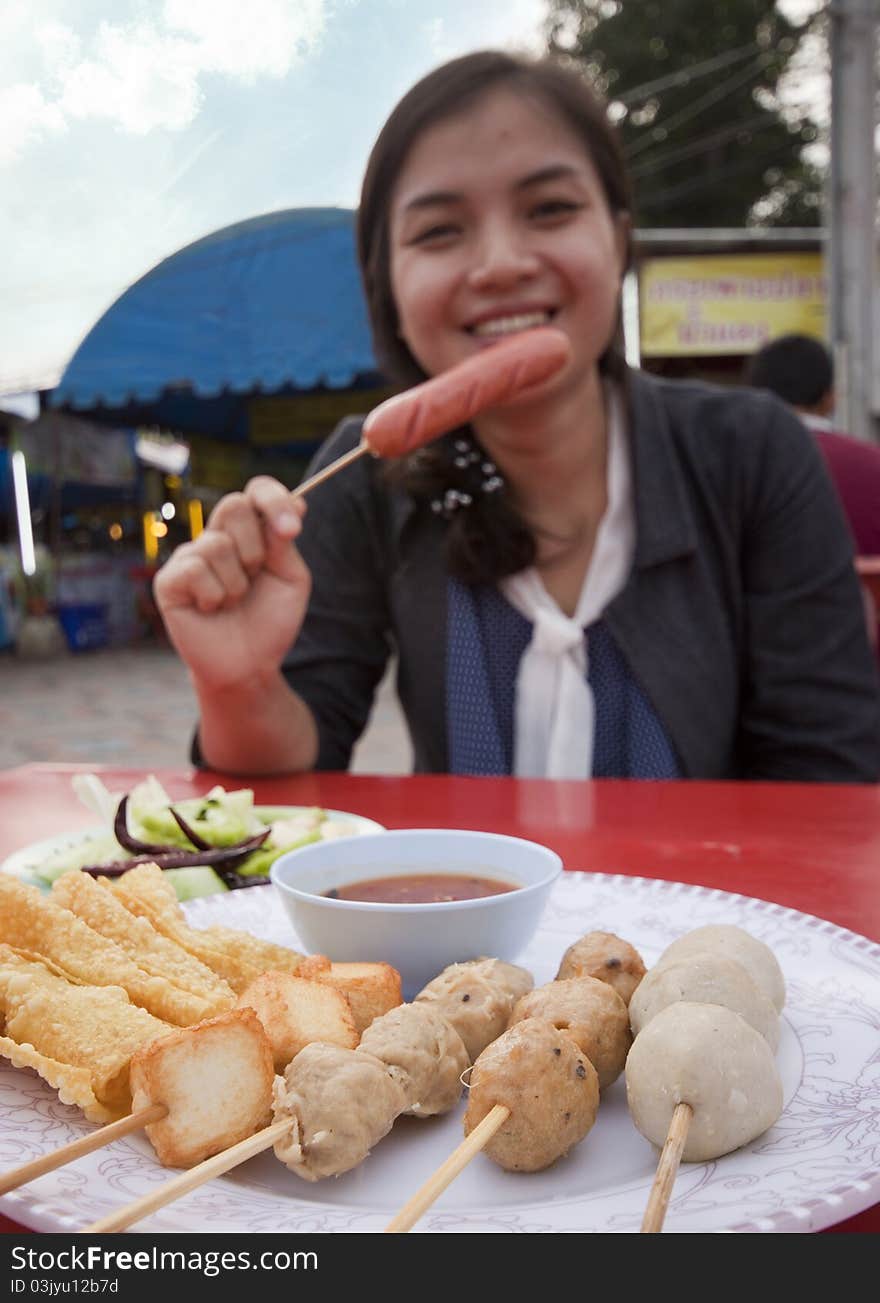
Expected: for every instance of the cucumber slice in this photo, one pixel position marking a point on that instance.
(201, 880)
(221, 818)
(99, 849)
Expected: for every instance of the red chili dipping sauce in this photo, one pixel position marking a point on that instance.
(421, 889)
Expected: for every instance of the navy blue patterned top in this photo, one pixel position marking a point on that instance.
(486, 638)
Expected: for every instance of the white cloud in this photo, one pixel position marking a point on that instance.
(58, 45)
(98, 197)
(26, 116)
(262, 38)
(146, 73)
(517, 24)
(139, 77)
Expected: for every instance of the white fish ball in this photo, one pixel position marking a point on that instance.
(710, 1058)
(704, 979)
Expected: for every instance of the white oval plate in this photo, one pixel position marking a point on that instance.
(816, 1166)
(23, 862)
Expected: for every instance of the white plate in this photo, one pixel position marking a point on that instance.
(816, 1166)
(24, 862)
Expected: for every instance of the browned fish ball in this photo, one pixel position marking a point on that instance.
(604, 956)
(550, 1087)
(591, 1013)
(477, 997)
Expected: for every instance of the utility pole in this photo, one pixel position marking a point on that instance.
(855, 317)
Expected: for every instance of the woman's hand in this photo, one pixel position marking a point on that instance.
(233, 600)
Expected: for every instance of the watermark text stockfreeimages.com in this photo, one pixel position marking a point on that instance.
(96, 1258)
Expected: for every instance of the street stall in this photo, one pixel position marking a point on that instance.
(254, 336)
(74, 504)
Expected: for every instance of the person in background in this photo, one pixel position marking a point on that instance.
(800, 370)
(611, 575)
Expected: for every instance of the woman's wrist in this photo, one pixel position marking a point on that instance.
(256, 726)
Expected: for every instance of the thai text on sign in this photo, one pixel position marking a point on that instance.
(708, 305)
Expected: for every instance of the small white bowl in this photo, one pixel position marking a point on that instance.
(419, 940)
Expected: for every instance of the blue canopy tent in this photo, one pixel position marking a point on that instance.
(268, 306)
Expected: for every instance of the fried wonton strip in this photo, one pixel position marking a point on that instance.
(235, 956)
(95, 1028)
(31, 921)
(73, 1085)
(248, 949)
(156, 954)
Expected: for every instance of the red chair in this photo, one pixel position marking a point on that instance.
(868, 570)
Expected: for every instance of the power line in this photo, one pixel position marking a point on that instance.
(684, 75)
(697, 106)
(710, 179)
(660, 160)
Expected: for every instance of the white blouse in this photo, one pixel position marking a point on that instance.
(554, 714)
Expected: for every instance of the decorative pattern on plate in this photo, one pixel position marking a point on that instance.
(818, 1165)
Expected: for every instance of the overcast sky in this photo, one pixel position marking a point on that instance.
(130, 128)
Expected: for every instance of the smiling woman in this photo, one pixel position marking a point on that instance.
(602, 575)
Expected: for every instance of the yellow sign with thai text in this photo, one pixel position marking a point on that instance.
(706, 305)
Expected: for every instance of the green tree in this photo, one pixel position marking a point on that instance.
(694, 88)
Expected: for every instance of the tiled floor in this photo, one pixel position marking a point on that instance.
(134, 706)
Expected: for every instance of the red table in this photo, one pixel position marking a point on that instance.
(814, 848)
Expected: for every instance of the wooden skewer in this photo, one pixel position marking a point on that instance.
(459, 1158)
(347, 457)
(187, 1181)
(85, 1145)
(667, 1167)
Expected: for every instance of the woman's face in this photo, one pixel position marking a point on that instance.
(499, 223)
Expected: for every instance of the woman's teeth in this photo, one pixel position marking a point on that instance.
(509, 325)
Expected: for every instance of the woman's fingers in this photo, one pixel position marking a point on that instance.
(284, 561)
(264, 502)
(263, 511)
(234, 515)
(219, 551)
(188, 580)
(247, 533)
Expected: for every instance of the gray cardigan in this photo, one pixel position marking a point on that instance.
(742, 618)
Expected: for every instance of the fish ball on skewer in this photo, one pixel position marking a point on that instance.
(732, 942)
(604, 956)
(710, 1058)
(477, 997)
(341, 1102)
(424, 1045)
(549, 1086)
(591, 1013)
(705, 979)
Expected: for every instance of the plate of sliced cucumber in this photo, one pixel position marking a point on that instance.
(205, 845)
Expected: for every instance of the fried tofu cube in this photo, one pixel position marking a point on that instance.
(372, 989)
(215, 1078)
(312, 965)
(295, 1011)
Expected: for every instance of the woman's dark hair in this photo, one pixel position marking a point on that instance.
(488, 539)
